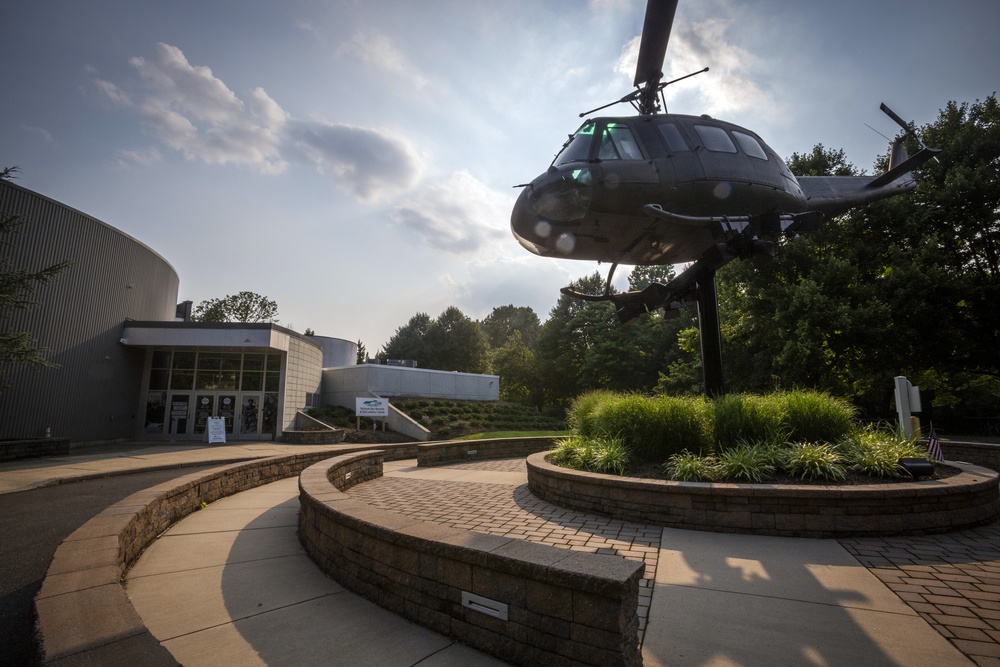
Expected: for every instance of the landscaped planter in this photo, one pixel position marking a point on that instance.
(968, 499)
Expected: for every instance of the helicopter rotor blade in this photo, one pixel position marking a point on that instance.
(655, 35)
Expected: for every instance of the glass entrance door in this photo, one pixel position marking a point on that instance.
(226, 408)
(204, 407)
(250, 415)
(179, 413)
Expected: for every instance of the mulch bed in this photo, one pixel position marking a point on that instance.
(655, 471)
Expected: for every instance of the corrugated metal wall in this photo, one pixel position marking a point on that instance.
(94, 394)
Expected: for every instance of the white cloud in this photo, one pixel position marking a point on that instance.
(194, 112)
(140, 156)
(729, 86)
(458, 215)
(367, 162)
(40, 131)
(378, 50)
(114, 93)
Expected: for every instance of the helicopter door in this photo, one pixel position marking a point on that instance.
(623, 168)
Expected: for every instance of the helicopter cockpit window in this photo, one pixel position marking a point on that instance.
(578, 147)
(672, 136)
(715, 139)
(618, 143)
(749, 145)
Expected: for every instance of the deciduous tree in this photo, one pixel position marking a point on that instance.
(241, 307)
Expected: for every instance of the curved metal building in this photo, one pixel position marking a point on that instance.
(93, 394)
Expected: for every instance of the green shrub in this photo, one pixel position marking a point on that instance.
(746, 463)
(654, 428)
(565, 453)
(688, 467)
(741, 418)
(596, 455)
(609, 456)
(876, 451)
(580, 417)
(812, 416)
(807, 460)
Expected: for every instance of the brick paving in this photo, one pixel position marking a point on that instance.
(952, 581)
(512, 511)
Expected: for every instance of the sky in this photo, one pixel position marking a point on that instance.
(356, 160)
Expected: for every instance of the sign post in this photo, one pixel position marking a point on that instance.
(907, 402)
(366, 406)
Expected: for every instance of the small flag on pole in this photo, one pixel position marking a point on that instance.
(934, 447)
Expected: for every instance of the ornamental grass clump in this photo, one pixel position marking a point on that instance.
(573, 452)
(689, 467)
(875, 451)
(581, 416)
(652, 428)
(813, 416)
(605, 455)
(748, 462)
(809, 460)
(610, 456)
(741, 418)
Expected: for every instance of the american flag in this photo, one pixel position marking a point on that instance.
(934, 447)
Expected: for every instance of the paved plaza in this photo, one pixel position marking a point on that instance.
(231, 585)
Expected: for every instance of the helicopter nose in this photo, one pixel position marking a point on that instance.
(551, 201)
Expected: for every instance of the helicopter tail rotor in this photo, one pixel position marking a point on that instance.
(900, 162)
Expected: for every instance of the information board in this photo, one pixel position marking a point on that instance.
(371, 407)
(216, 429)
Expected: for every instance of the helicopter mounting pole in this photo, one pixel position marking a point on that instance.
(710, 333)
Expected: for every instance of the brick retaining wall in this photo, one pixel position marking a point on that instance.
(968, 499)
(982, 454)
(459, 451)
(563, 607)
(11, 450)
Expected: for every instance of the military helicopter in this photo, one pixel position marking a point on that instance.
(663, 188)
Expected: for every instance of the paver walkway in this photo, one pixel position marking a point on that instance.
(952, 581)
(494, 508)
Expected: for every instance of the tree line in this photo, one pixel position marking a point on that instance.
(906, 286)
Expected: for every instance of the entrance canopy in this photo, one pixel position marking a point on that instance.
(206, 334)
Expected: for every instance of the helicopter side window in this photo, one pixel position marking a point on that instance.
(749, 145)
(577, 149)
(715, 139)
(618, 143)
(672, 136)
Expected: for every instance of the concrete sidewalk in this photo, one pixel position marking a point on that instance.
(120, 459)
(231, 584)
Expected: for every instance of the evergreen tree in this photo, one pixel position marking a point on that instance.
(17, 286)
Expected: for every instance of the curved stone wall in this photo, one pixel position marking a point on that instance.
(968, 499)
(524, 602)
